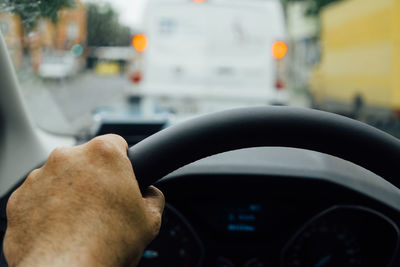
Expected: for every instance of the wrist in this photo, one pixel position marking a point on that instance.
(79, 256)
(44, 258)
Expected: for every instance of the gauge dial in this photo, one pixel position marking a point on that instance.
(176, 245)
(324, 244)
(345, 236)
(328, 239)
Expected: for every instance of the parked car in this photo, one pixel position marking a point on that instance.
(60, 65)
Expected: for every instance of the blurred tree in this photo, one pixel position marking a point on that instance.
(104, 28)
(31, 10)
(314, 6)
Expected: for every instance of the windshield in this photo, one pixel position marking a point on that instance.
(79, 60)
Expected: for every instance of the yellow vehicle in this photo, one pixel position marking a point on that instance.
(359, 71)
(107, 68)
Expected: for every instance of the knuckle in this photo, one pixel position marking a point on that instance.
(103, 147)
(7, 250)
(117, 138)
(58, 155)
(12, 250)
(12, 204)
(32, 176)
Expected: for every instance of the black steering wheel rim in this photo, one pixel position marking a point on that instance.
(339, 136)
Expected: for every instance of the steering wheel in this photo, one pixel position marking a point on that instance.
(320, 131)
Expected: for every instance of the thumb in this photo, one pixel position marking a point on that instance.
(154, 199)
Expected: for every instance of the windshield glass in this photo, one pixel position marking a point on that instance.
(80, 60)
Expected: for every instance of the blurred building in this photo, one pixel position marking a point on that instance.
(71, 28)
(47, 37)
(11, 28)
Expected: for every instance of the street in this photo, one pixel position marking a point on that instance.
(67, 106)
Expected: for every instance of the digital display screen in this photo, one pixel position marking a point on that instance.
(246, 218)
(236, 218)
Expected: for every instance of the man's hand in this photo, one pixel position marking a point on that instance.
(82, 208)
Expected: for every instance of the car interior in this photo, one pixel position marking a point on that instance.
(251, 180)
(265, 186)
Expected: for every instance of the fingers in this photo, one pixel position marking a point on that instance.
(154, 199)
(155, 202)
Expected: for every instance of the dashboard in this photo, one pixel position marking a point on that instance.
(224, 215)
(257, 221)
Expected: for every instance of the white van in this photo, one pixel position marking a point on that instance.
(199, 56)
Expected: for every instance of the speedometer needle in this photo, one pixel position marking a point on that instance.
(323, 261)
